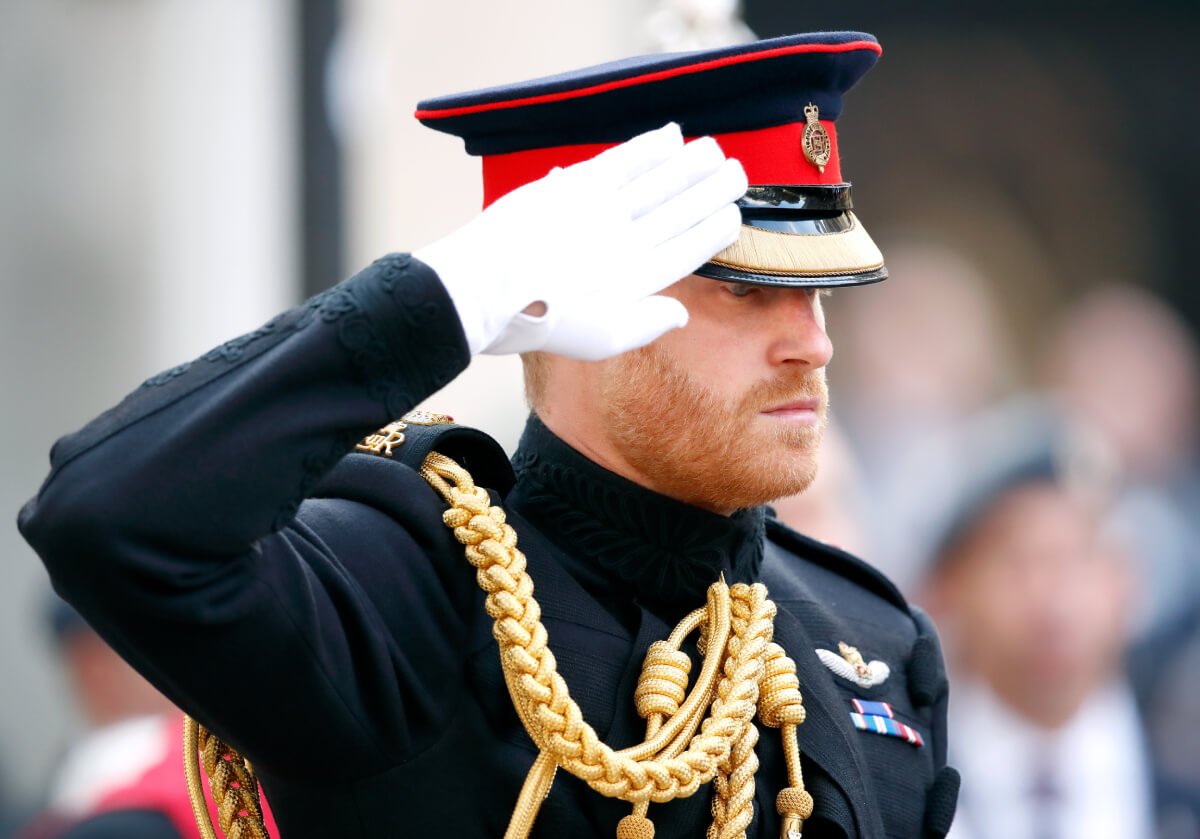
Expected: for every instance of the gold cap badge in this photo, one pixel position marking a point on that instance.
(815, 141)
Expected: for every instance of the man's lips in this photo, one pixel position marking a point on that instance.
(797, 409)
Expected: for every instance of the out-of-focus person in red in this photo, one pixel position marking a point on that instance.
(123, 778)
(1031, 588)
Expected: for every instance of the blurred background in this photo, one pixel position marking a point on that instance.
(1015, 412)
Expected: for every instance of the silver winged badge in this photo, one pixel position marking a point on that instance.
(849, 664)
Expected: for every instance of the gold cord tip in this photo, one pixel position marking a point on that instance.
(794, 802)
(635, 827)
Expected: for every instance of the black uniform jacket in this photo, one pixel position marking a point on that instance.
(309, 605)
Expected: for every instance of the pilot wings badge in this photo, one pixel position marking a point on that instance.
(851, 666)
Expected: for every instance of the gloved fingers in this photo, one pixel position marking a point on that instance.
(595, 332)
(522, 334)
(646, 320)
(695, 162)
(681, 255)
(700, 200)
(621, 164)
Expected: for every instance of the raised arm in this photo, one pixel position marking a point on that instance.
(172, 523)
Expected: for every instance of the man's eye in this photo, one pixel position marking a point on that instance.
(740, 289)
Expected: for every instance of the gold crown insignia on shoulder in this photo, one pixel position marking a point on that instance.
(391, 435)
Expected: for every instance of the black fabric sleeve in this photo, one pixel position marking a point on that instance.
(171, 523)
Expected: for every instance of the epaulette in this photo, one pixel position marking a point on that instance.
(411, 438)
(836, 560)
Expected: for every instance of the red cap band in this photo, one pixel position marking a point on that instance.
(769, 156)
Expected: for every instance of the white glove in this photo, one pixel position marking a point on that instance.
(573, 263)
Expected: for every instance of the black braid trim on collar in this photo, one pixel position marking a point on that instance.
(622, 533)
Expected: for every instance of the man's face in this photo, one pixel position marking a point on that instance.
(728, 411)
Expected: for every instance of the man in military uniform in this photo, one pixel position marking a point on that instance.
(313, 605)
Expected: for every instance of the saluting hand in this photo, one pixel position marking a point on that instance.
(573, 263)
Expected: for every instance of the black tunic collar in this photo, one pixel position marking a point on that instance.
(623, 541)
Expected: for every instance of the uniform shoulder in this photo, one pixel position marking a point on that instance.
(384, 469)
(837, 561)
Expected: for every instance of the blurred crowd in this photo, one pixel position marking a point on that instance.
(1041, 504)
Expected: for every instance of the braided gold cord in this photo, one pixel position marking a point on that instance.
(231, 781)
(733, 791)
(191, 772)
(691, 738)
(541, 697)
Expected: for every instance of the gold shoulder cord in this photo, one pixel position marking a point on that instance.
(707, 734)
(231, 780)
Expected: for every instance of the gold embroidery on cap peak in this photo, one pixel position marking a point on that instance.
(815, 141)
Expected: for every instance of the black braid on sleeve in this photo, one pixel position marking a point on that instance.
(401, 297)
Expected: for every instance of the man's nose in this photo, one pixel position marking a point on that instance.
(799, 331)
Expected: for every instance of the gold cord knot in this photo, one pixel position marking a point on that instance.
(663, 684)
(781, 703)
